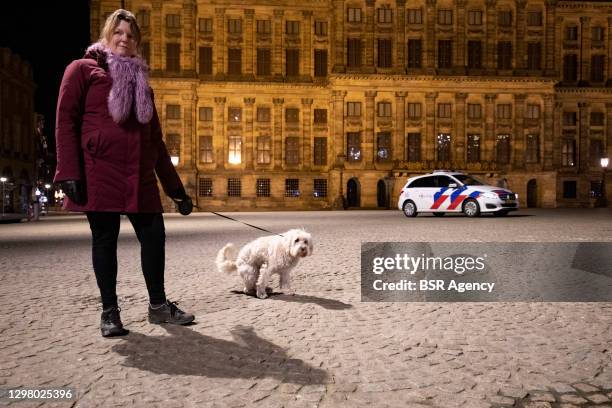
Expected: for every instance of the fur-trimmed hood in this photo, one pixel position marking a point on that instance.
(130, 90)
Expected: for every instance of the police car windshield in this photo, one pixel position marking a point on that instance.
(468, 180)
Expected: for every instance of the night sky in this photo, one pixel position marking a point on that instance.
(49, 35)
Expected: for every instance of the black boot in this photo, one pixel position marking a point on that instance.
(110, 323)
(169, 313)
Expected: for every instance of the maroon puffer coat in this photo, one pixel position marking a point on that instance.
(117, 161)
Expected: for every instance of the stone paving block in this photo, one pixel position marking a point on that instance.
(597, 398)
(585, 387)
(572, 399)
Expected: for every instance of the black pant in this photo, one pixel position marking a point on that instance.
(151, 233)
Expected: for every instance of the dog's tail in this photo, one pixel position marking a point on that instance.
(224, 259)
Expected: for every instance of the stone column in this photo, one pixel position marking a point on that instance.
(459, 60)
(277, 136)
(220, 142)
(277, 44)
(306, 53)
(369, 37)
(429, 139)
(399, 138)
(519, 131)
(430, 38)
(400, 38)
(306, 147)
(520, 51)
(557, 136)
(249, 143)
(548, 131)
(490, 63)
(337, 30)
(336, 146)
(488, 144)
(249, 47)
(220, 49)
(550, 44)
(370, 119)
(584, 109)
(609, 59)
(585, 51)
(458, 143)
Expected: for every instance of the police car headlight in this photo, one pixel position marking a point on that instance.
(490, 195)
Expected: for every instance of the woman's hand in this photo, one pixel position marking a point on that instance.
(75, 190)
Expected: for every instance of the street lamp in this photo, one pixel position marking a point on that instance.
(604, 166)
(3, 180)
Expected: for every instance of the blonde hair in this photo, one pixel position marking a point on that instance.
(113, 21)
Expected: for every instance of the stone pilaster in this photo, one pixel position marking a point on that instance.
(220, 49)
(399, 64)
(458, 142)
(370, 120)
(519, 131)
(399, 137)
(249, 48)
(548, 131)
(608, 135)
(188, 46)
(277, 44)
(584, 109)
(220, 142)
(369, 36)
(459, 60)
(609, 59)
(277, 137)
(249, 142)
(520, 51)
(430, 38)
(156, 42)
(429, 141)
(584, 74)
(306, 53)
(336, 146)
(337, 30)
(557, 136)
(550, 44)
(490, 63)
(189, 104)
(488, 144)
(306, 146)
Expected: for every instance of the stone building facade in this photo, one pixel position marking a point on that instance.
(334, 103)
(17, 137)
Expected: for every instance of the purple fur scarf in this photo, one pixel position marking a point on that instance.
(130, 79)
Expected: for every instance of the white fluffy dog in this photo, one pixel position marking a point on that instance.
(259, 259)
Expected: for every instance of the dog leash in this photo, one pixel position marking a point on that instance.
(246, 223)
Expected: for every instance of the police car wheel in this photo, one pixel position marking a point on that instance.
(409, 209)
(471, 208)
(438, 214)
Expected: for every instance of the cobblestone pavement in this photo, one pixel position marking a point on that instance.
(319, 348)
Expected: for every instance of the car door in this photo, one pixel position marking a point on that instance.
(426, 190)
(441, 193)
(455, 195)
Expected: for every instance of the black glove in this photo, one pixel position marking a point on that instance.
(75, 190)
(182, 200)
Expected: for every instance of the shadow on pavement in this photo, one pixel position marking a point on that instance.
(187, 352)
(323, 302)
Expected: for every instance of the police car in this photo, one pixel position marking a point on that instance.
(454, 192)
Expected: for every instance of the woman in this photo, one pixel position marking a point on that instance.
(109, 151)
